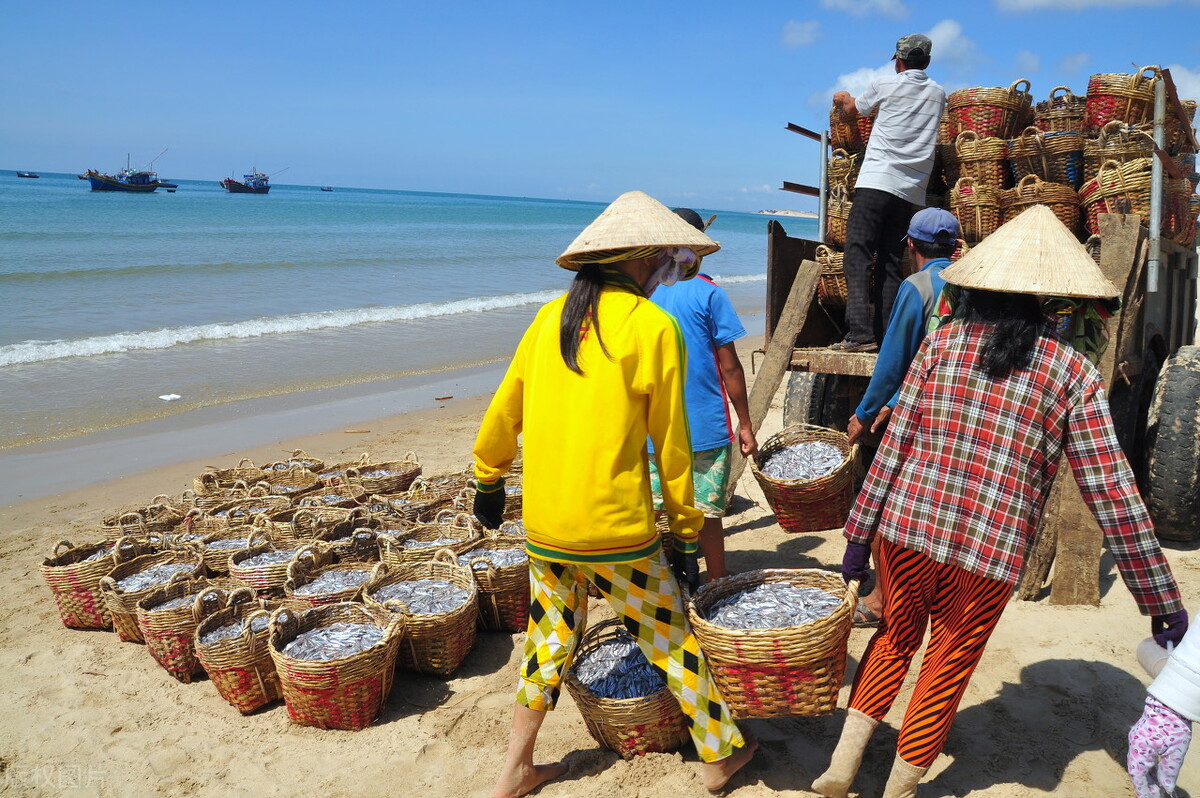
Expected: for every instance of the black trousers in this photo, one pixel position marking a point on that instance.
(875, 239)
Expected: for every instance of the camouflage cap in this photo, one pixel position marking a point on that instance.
(909, 44)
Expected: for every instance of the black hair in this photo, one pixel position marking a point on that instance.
(1016, 321)
(916, 60)
(689, 216)
(583, 300)
(933, 249)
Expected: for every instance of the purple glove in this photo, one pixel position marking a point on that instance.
(1168, 628)
(856, 563)
(1157, 743)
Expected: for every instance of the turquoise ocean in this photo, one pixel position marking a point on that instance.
(113, 300)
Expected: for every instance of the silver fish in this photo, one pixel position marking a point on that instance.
(773, 605)
(334, 641)
(802, 462)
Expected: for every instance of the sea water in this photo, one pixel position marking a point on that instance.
(112, 300)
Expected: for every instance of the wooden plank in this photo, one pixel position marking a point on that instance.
(1177, 107)
(800, 188)
(1077, 561)
(778, 356)
(803, 131)
(827, 361)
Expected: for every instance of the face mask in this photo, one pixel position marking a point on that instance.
(674, 264)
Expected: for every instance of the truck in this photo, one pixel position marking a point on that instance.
(1151, 367)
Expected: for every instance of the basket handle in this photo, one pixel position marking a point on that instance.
(258, 531)
(126, 548)
(1056, 89)
(1024, 185)
(1013, 90)
(249, 638)
(965, 185)
(410, 457)
(60, 546)
(397, 606)
(285, 623)
(364, 459)
(213, 597)
(962, 138)
(838, 153)
(352, 473)
(1141, 75)
(246, 462)
(444, 555)
(258, 490)
(1033, 132)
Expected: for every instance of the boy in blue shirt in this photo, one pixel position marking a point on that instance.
(714, 380)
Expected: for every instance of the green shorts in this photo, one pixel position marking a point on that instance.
(710, 476)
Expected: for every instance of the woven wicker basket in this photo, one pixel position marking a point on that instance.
(265, 580)
(995, 112)
(504, 591)
(216, 558)
(1116, 142)
(831, 282)
(977, 209)
(239, 512)
(1119, 97)
(214, 479)
(767, 673)
(156, 519)
(74, 580)
(122, 605)
(1117, 188)
(419, 500)
(865, 125)
(312, 563)
(810, 505)
(291, 482)
(1031, 191)
(1061, 113)
(240, 667)
(843, 169)
(1053, 157)
(336, 474)
(344, 693)
(460, 527)
(837, 214)
(629, 726)
(843, 133)
(297, 459)
(981, 158)
(435, 643)
(393, 476)
(170, 633)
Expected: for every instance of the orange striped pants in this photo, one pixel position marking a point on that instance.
(961, 611)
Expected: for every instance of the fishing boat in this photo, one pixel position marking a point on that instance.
(28, 174)
(327, 188)
(257, 183)
(137, 181)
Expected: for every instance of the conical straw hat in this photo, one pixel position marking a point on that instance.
(1032, 254)
(634, 220)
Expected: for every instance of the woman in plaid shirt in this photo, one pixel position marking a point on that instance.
(956, 492)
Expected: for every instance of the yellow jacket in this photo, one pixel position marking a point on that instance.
(586, 483)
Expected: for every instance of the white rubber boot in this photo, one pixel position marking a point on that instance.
(847, 756)
(903, 781)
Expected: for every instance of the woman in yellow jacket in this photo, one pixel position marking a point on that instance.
(598, 371)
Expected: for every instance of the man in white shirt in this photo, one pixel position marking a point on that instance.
(907, 107)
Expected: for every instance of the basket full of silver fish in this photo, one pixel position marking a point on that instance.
(449, 530)
(335, 663)
(439, 602)
(775, 640)
(262, 565)
(231, 644)
(131, 581)
(168, 618)
(500, 566)
(313, 578)
(73, 574)
(806, 473)
(393, 476)
(623, 699)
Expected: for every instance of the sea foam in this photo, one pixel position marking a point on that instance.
(39, 351)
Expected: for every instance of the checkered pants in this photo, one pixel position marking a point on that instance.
(875, 235)
(646, 598)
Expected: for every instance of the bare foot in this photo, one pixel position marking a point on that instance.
(716, 775)
(525, 780)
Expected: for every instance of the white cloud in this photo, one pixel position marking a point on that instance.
(800, 34)
(763, 189)
(1073, 5)
(1027, 63)
(861, 8)
(1074, 62)
(951, 47)
(853, 82)
(1187, 81)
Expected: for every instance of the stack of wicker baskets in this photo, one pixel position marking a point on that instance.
(1061, 199)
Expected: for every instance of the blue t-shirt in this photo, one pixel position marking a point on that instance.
(707, 320)
(905, 332)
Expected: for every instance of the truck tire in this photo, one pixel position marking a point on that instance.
(1173, 448)
(826, 400)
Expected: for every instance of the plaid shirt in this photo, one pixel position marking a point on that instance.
(967, 463)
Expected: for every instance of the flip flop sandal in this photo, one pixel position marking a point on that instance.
(864, 618)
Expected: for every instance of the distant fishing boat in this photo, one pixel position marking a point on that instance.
(327, 188)
(257, 183)
(28, 174)
(137, 181)
(82, 177)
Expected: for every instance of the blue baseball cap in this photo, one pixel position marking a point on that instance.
(934, 226)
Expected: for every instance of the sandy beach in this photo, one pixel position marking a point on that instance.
(1047, 712)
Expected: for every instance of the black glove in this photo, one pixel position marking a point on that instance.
(856, 562)
(1169, 628)
(489, 504)
(686, 567)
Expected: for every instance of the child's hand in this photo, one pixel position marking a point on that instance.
(1157, 744)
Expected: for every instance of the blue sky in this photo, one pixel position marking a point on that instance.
(685, 100)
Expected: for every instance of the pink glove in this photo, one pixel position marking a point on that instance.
(1157, 744)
